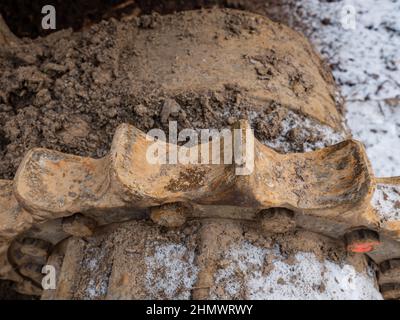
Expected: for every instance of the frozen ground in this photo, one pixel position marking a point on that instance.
(175, 264)
(386, 201)
(363, 50)
(305, 278)
(243, 272)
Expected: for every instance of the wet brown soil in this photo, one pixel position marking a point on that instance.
(69, 91)
(24, 16)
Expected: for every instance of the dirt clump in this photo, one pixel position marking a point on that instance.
(69, 91)
(24, 17)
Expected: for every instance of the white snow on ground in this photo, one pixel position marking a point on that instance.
(366, 66)
(306, 278)
(386, 202)
(171, 272)
(327, 136)
(377, 125)
(97, 286)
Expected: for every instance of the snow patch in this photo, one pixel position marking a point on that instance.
(95, 262)
(365, 59)
(171, 272)
(327, 136)
(378, 126)
(95, 290)
(386, 201)
(306, 278)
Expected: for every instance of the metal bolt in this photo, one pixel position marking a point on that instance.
(390, 265)
(21, 259)
(79, 225)
(390, 291)
(389, 272)
(361, 240)
(277, 220)
(32, 271)
(35, 247)
(28, 288)
(170, 215)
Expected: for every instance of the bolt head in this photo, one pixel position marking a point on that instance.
(277, 220)
(391, 291)
(35, 247)
(169, 215)
(79, 225)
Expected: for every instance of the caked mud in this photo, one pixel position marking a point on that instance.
(69, 91)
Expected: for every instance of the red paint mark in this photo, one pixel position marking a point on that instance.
(363, 247)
